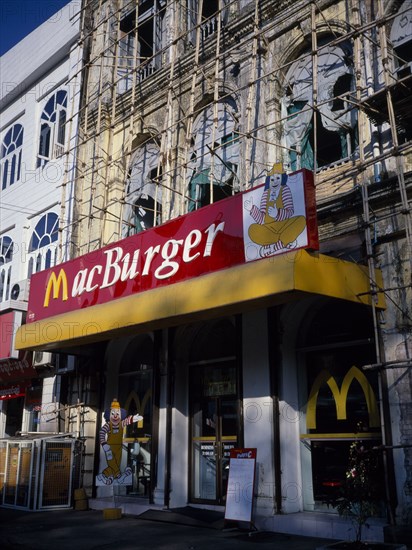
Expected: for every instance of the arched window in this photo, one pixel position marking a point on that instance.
(401, 40)
(143, 200)
(335, 122)
(53, 128)
(42, 246)
(6, 256)
(11, 151)
(214, 156)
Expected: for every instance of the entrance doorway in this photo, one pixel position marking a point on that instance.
(14, 416)
(214, 430)
(136, 390)
(215, 419)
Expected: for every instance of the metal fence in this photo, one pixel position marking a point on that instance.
(40, 472)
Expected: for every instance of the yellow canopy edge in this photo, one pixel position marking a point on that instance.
(266, 282)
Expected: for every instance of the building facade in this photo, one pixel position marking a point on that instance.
(298, 350)
(39, 109)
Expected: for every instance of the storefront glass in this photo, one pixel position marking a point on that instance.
(135, 391)
(340, 400)
(214, 416)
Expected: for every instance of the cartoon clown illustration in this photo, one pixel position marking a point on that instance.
(111, 438)
(275, 226)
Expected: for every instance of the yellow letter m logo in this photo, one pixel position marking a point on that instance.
(55, 283)
(340, 396)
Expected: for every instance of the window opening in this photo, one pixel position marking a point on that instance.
(141, 45)
(6, 256)
(52, 129)
(336, 124)
(143, 200)
(209, 18)
(42, 247)
(401, 39)
(14, 416)
(213, 163)
(11, 153)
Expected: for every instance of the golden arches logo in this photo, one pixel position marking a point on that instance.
(55, 282)
(341, 396)
(140, 405)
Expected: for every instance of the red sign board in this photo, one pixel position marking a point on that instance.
(13, 391)
(8, 327)
(268, 220)
(243, 453)
(13, 370)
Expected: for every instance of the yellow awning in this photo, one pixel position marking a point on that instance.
(261, 283)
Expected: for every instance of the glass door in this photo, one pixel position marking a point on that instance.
(214, 429)
(136, 389)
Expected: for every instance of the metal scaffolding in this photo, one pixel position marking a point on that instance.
(206, 43)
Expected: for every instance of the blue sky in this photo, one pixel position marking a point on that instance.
(19, 17)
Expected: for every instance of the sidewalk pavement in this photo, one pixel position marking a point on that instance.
(88, 530)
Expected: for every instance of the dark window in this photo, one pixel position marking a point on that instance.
(52, 129)
(10, 161)
(342, 399)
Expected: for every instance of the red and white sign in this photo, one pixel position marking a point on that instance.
(11, 392)
(258, 223)
(241, 485)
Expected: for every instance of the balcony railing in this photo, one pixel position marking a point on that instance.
(209, 28)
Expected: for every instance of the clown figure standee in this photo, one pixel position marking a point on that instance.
(111, 440)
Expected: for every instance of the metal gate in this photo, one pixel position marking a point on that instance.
(39, 473)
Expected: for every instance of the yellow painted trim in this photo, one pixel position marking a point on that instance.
(212, 439)
(255, 284)
(341, 396)
(365, 435)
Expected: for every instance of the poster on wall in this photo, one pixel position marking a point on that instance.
(114, 471)
(275, 216)
(241, 485)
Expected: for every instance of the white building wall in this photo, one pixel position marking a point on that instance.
(258, 406)
(46, 60)
(180, 441)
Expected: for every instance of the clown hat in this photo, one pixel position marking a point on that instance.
(277, 168)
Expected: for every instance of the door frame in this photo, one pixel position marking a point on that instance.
(237, 360)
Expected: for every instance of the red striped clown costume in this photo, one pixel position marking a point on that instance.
(275, 226)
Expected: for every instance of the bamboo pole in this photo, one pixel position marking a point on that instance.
(96, 134)
(314, 88)
(406, 207)
(109, 155)
(129, 139)
(251, 99)
(192, 96)
(215, 100)
(167, 137)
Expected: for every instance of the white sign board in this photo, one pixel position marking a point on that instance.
(241, 484)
